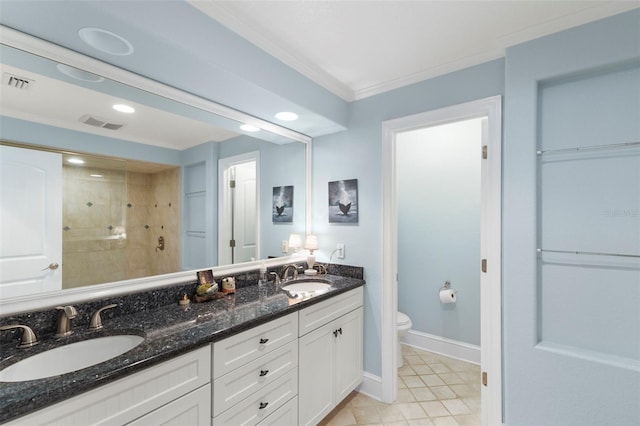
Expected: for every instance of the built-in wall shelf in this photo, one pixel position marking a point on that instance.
(589, 253)
(586, 149)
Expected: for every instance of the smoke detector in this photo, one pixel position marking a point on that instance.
(92, 120)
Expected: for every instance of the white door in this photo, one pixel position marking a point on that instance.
(572, 228)
(30, 221)
(245, 213)
(239, 212)
(490, 245)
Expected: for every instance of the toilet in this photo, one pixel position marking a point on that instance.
(403, 325)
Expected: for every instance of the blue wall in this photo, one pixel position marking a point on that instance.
(438, 193)
(357, 153)
(280, 165)
(568, 344)
(16, 130)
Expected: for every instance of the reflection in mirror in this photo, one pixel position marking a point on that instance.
(115, 213)
(53, 107)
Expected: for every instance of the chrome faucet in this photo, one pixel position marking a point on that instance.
(277, 280)
(63, 327)
(285, 273)
(28, 338)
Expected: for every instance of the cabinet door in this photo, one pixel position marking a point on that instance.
(316, 383)
(192, 409)
(348, 353)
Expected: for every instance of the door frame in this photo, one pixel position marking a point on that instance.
(223, 198)
(491, 283)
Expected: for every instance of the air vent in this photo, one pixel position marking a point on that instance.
(92, 120)
(16, 82)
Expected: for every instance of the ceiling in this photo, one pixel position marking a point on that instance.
(357, 49)
(41, 102)
(312, 57)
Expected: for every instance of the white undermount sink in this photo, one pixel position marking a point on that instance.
(71, 357)
(306, 288)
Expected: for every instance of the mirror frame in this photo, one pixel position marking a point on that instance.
(39, 47)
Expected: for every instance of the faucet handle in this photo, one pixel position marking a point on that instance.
(96, 319)
(69, 311)
(28, 338)
(277, 277)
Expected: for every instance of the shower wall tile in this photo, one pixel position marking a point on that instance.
(118, 233)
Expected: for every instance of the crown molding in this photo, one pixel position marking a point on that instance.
(445, 68)
(581, 17)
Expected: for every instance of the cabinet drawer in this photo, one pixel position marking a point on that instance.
(127, 399)
(192, 409)
(242, 348)
(237, 385)
(287, 415)
(321, 313)
(261, 404)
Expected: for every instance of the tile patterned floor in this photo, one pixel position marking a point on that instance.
(432, 390)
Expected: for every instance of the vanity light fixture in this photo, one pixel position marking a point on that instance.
(294, 242)
(124, 108)
(249, 128)
(75, 160)
(96, 176)
(106, 41)
(311, 244)
(287, 116)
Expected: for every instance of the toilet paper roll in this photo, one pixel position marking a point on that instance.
(447, 296)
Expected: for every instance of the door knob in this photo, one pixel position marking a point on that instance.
(53, 266)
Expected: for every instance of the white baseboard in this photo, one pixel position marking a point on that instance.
(443, 346)
(371, 386)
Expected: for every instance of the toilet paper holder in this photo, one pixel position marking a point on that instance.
(447, 286)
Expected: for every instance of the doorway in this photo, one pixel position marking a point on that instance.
(238, 209)
(489, 110)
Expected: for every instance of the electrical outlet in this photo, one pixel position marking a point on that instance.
(340, 252)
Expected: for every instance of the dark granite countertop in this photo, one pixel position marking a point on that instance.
(169, 331)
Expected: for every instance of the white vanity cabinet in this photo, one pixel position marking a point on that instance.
(173, 392)
(330, 354)
(255, 374)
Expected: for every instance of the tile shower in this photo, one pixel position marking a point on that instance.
(112, 219)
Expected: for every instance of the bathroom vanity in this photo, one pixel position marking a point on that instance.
(242, 359)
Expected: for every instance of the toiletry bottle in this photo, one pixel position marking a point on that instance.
(262, 282)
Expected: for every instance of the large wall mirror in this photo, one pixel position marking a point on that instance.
(178, 185)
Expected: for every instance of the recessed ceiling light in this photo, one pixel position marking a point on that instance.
(79, 74)
(287, 116)
(249, 128)
(124, 108)
(75, 160)
(106, 41)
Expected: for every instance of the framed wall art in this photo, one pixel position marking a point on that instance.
(282, 210)
(343, 201)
